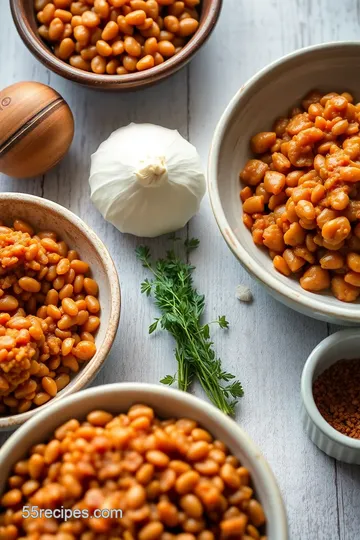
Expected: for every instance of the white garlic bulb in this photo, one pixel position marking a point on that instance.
(146, 180)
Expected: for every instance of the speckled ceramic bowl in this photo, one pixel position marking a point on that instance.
(338, 346)
(167, 403)
(268, 95)
(44, 214)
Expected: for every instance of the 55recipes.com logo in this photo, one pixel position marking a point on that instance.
(33, 512)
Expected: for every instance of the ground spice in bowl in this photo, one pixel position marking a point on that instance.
(337, 396)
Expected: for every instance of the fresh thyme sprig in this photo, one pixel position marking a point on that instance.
(181, 309)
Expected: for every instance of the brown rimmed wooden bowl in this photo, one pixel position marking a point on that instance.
(43, 214)
(25, 20)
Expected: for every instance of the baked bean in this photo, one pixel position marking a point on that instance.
(102, 8)
(29, 284)
(188, 27)
(157, 458)
(315, 278)
(112, 66)
(52, 451)
(187, 481)
(274, 182)
(234, 526)
(110, 31)
(61, 381)
(11, 498)
(99, 418)
(152, 531)
(158, 58)
(136, 17)
(254, 205)
(262, 142)
(166, 48)
(91, 287)
(191, 505)
(66, 49)
(295, 235)
(41, 398)
(280, 162)
(145, 63)
(256, 513)
(65, 291)
(103, 48)
(84, 350)
(90, 19)
(336, 230)
(332, 260)
(98, 64)
(273, 238)
(48, 14)
(67, 346)
(92, 324)
(135, 497)
(79, 63)
(132, 47)
(253, 172)
(171, 24)
(353, 262)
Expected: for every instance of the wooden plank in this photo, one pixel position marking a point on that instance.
(267, 343)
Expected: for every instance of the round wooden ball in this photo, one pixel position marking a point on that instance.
(36, 129)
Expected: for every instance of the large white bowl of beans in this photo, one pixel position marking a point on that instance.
(284, 180)
(59, 305)
(176, 467)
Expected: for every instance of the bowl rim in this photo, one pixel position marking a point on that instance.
(307, 382)
(179, 397)
(39, 49)
(90, 369)
(283, 291)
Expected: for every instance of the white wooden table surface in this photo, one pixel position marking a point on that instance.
(267, 343)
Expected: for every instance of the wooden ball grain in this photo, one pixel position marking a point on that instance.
(36, 129)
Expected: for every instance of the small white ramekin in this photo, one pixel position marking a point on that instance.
(338, 346)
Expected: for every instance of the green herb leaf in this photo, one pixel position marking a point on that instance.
(153, 326)
(191, 244)
(143, 254)
(169, 380)
(223, 323)
(146, 287)
(236, 389)
(206, 331)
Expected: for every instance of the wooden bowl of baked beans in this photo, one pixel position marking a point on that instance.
(115, 44)
(284, 180)
(174, 465)
(59, 305)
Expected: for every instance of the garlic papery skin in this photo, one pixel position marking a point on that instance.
(147, 180)
(153, 172)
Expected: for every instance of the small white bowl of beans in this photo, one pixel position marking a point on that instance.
(284, 176)
(59, 305)
(125, 447)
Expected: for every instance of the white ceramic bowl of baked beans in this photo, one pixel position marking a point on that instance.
(265, 97)
(167, 403)
(43, 214)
